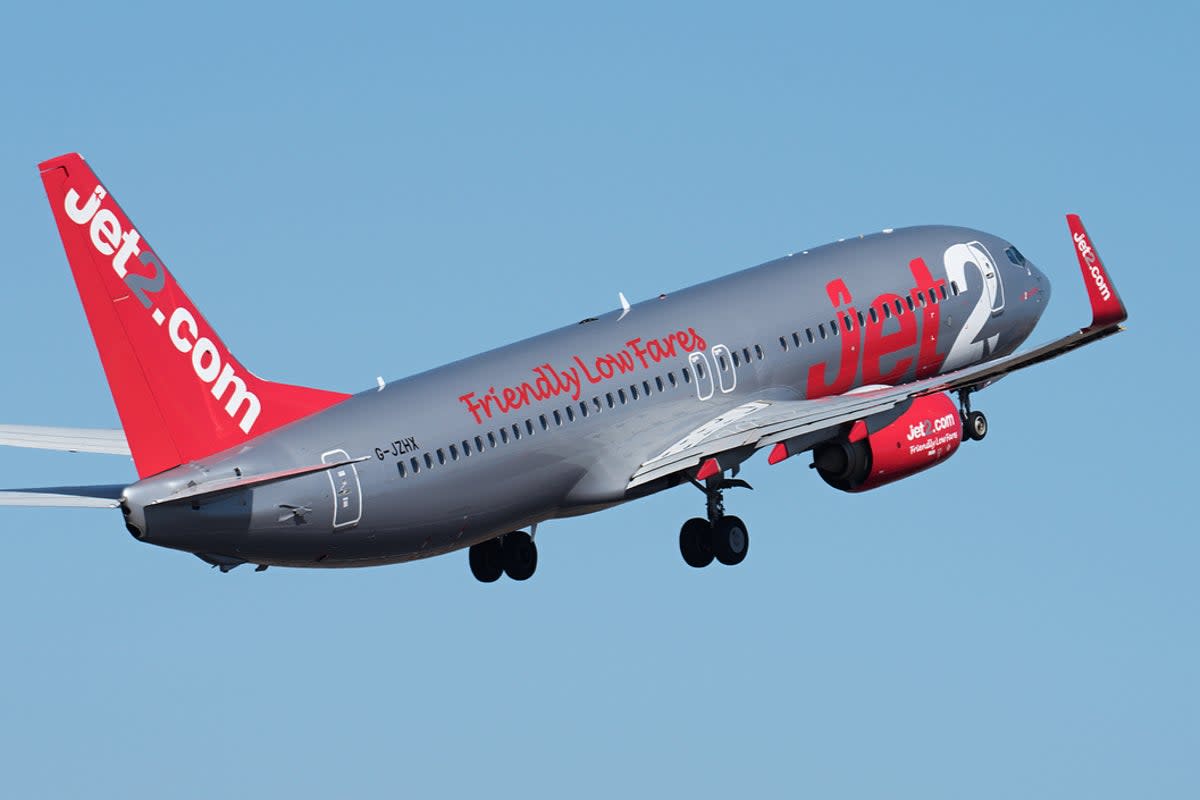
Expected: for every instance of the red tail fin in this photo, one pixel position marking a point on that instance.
(180, 393)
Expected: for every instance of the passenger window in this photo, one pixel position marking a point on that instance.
(646, 386)
(671, 379)
(429, 461)
(921, 299)
(847, 323)
(687, 376)
(758, 351)
(441, 456)
(736, 360)
(721, 362)
(479, 443)
(545, 423)
(833, 327)
(887, 312)
(416, 465)
(862, 321)
(621, 396)
(899, 308)
(609, 397)
(400, 468)
(583, 409)
(570, 414)
(821, 329)
(783, 344)
(796, 339)
(596, 402)
(466, 448)
(557, 418)
(516, 429)
(658, 382)
(633, 392)
(911, 307)
(808, 332)
(942, 291)
(504, 435)
(874, 316)
(746, 353)
(933, 297)
(699, 373)
(491, 439)
(954, 287)
(453, 453)
(529, 426)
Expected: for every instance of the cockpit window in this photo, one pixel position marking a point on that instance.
(1014, 255)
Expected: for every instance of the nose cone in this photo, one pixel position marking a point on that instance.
(1039, 285)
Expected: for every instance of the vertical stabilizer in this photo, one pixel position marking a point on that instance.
(180, 393)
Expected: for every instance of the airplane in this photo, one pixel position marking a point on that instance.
(863, 353)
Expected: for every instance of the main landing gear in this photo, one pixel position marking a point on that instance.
(513, 554)
(975, 424)
(723, 537)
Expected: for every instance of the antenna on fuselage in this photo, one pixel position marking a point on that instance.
(624, 306)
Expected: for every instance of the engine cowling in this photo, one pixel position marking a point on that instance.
(928, 433)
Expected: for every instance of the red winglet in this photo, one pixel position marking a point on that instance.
(1107, 308)
(778, 453)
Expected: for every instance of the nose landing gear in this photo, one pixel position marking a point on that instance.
(721, 536)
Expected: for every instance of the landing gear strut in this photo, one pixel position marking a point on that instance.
(975, 424)
(513, 554)
(721, 536)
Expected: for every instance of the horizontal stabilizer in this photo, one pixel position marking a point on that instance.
(107, 496)
(71, 440)
(223, 485)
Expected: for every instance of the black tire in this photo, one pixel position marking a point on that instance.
(487, 561)
(520, 556)
(695, 543)
(730, 541)
(977, 426)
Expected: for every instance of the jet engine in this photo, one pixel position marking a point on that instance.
(928, 433)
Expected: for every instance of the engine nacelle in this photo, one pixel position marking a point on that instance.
(928, 433)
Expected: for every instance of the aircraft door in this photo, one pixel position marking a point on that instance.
(702, 372)
(347, 489)
(726, 374)
(974, 253)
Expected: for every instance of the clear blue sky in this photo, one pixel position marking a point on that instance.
(355, 190)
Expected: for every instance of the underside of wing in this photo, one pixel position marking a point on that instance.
(72, 440)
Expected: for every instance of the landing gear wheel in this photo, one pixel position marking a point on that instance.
(977, 426)
(520, 556)
(487, 560)
(730, 540)
(695, 542)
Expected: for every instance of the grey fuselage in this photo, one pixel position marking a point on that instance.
(556, 425)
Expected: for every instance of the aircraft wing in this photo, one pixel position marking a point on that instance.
(74, 440)
(107, 496)
(760, 423)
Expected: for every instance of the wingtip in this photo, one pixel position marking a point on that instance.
(1107, 308)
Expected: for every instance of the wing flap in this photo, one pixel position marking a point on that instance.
(71, 440)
